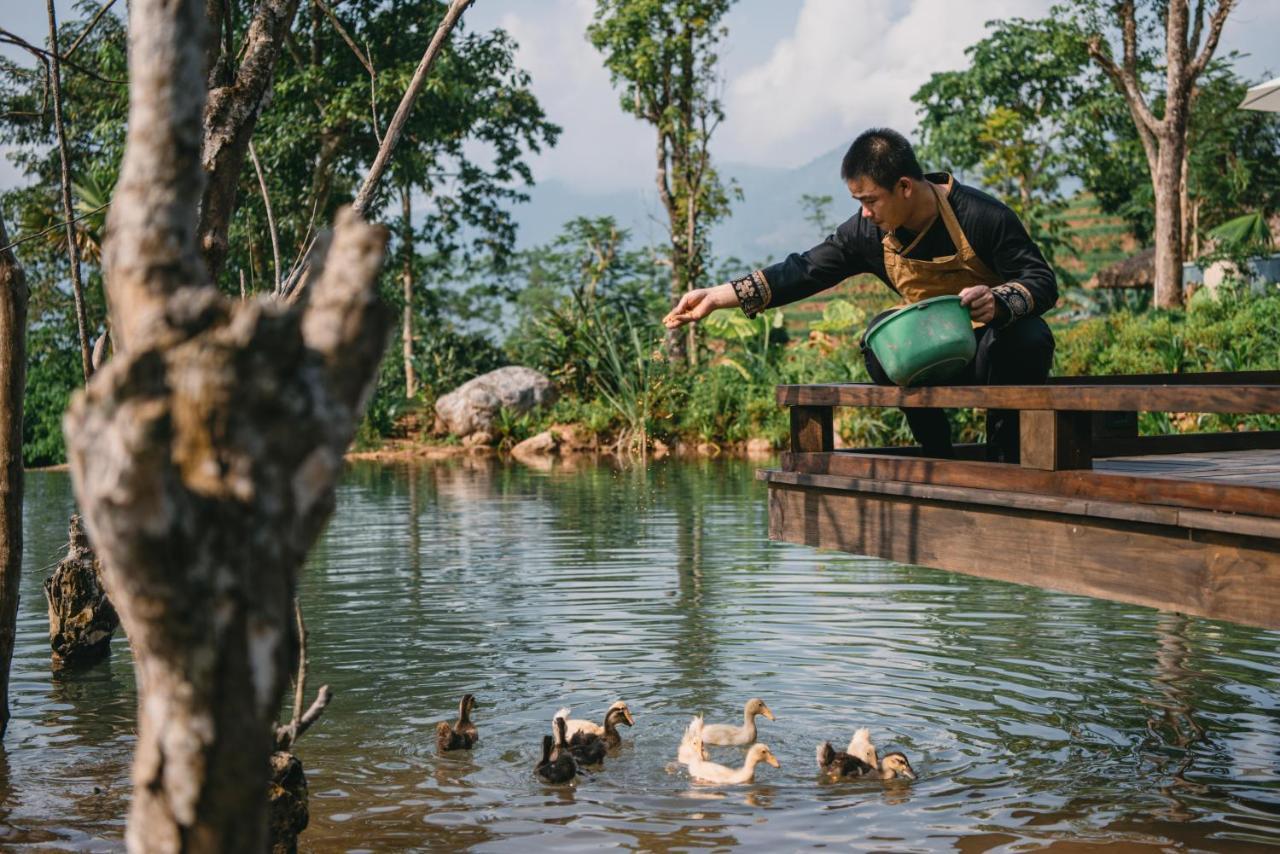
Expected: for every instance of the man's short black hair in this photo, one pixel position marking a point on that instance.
(883, 155)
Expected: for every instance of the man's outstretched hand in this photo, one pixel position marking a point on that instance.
(981, 303)
(698, 303)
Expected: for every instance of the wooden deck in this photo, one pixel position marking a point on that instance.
(1184, 523)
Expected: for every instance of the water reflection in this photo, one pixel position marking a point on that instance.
(1033, 718)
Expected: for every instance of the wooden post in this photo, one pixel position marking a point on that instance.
(1053, 440)
(812, 429)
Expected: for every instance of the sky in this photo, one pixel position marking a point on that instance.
(799, 77)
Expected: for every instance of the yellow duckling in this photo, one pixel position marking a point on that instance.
(710, 772)
(691, 747)
(729, 734)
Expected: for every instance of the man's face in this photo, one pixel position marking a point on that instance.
(887, 207)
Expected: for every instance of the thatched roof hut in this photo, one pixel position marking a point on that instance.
(1136, 271)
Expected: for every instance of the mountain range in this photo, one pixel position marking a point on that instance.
(766, 224)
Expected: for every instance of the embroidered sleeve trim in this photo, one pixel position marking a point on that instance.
(753, 292)
(1016, 299)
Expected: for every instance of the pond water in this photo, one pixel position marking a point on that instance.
(1032, 718)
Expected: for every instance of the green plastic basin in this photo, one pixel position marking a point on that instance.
(925, 343)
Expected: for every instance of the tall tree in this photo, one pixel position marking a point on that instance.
(1189, 44)
(204, 455)
(663, 55)
(13, 364)
(68, 211)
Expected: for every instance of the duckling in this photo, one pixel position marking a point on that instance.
(691, 747)
(745, 734)
(710, 772)
(462, 734)
(577, 725)
(587, 751)
(617, 714)
(892, 765)
(840, 764)
(557, 768)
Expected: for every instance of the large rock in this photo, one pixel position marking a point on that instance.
(472, 406)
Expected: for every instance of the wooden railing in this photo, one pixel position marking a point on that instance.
(1066, 423)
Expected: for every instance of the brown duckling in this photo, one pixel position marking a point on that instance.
(556, 766)
(462, 733)
(888, 767)
(591, 728)
(838, 764)
(617, 714)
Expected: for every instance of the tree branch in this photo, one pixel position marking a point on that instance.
(229, 119)
(1211, 40)
(73, 248)
(365, 194)
(346, 37)
(80, 38)
(271, 220)
(44, 56)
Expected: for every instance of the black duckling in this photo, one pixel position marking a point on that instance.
(556, 765)
(462, 734)
(619, 714)
(587, 749)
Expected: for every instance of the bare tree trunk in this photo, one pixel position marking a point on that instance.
(13, 378)
(406, 330)
(1167, 183)
(204, 456)
(73, 248)
(365, 193)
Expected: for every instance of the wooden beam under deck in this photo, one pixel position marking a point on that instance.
(1214, 574)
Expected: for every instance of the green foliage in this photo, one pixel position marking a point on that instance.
(463, 152)
(1248, 232)
(1033, 108)
(53, 373)
(840, 316)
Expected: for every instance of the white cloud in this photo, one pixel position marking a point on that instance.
(846, 66)
(601, 147)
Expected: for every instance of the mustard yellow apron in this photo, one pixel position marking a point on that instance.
(917, 279)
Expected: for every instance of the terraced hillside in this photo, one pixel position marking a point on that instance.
(1098, 238)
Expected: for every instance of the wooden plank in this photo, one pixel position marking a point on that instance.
(1097, 485)
(812, 429)
(1215, 575)
(1184, 443)
(1203, 378)
(1084, 398)
(1152, 514)
(1053, 441)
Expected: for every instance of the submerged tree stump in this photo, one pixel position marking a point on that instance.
(81, 617)
(287, 802)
